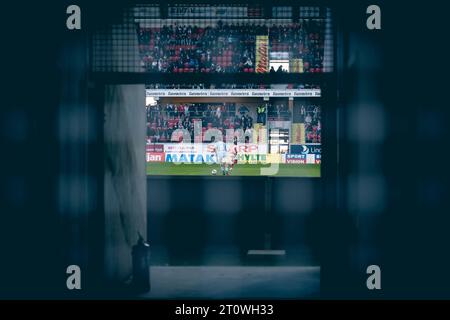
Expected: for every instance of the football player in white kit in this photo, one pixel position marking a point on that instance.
(220, 149)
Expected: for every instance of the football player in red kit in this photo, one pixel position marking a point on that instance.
(233, 155)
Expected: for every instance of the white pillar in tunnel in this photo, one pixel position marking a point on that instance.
(125, 177)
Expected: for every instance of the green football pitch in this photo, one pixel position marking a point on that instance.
(284, 170)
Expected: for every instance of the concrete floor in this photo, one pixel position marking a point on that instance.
(230, 256)
(228, 282)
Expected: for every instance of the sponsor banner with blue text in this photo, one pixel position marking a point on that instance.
(315, 148)
(296, 158)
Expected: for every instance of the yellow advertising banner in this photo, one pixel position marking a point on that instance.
(296, 65)
(259, 133)
(252, 158)
(298, 133)
(262, 54)
(263, 158)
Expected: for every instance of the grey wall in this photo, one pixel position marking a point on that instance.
(124, 137)
(125, 180)
(211, 221)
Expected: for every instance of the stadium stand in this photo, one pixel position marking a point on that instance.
(164, 119)
(227, 47)
(228, 86)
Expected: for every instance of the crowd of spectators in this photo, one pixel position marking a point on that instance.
(278, 112)
(228, 86)
(163, 120)
(303, 40)
(227, 47)
(311, 116)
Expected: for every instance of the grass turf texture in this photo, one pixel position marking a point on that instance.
(284, 170)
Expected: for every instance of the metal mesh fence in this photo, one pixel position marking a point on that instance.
(229, 38)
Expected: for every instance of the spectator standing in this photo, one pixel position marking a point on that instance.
(218, 113)
(250, 121)
(261, 114)
(244, 122)
(302, 113)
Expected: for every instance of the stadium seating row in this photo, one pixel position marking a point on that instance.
(227, 48)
